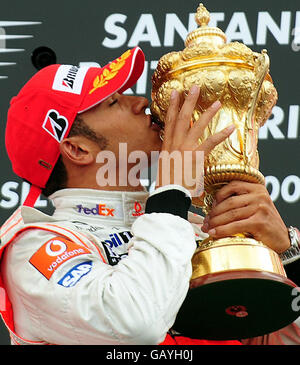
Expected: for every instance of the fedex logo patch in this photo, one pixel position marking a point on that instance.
(99, 209)
(69, 78)
(54, 253)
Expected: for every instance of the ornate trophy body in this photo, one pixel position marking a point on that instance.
(239, 288)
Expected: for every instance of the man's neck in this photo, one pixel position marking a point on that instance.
(91, 179)
(86, 185)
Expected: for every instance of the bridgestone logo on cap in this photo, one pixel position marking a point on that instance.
(69, 78)
(56, 125)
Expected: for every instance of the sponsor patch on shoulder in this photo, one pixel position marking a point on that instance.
(48, 258)
(75, 274)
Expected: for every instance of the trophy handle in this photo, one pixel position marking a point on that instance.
(263, 64)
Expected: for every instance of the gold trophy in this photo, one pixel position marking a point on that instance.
(238, 288)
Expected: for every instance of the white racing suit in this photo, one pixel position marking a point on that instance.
(99, 271)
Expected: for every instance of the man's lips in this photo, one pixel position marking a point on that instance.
(155, 123)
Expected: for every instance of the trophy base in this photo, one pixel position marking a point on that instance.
(236, 305)
(238, 290)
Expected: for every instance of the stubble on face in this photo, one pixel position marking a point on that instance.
(80, 128)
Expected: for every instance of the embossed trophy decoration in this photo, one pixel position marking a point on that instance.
(239, 288)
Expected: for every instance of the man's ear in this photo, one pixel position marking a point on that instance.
(77, 150)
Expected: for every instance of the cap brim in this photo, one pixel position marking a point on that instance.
(117, 76)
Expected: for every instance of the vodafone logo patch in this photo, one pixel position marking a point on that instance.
(55, 124)
(54, 253)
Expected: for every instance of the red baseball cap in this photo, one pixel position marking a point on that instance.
(43, 112)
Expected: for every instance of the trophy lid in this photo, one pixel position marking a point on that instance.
(204, 33)
(229, 72)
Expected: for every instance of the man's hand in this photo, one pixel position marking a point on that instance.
(242, 207)
(181, 142)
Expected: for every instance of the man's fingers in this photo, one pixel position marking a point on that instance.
(211, 142)
(229, 229)
(233, 215)
(171, 116)
(234, 208)
(238, 188)
(186, 112)
(231, 203)
(199, 127)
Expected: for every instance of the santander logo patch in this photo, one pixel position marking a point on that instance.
(48, 258)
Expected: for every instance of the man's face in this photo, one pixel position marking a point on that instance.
(122, 119)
